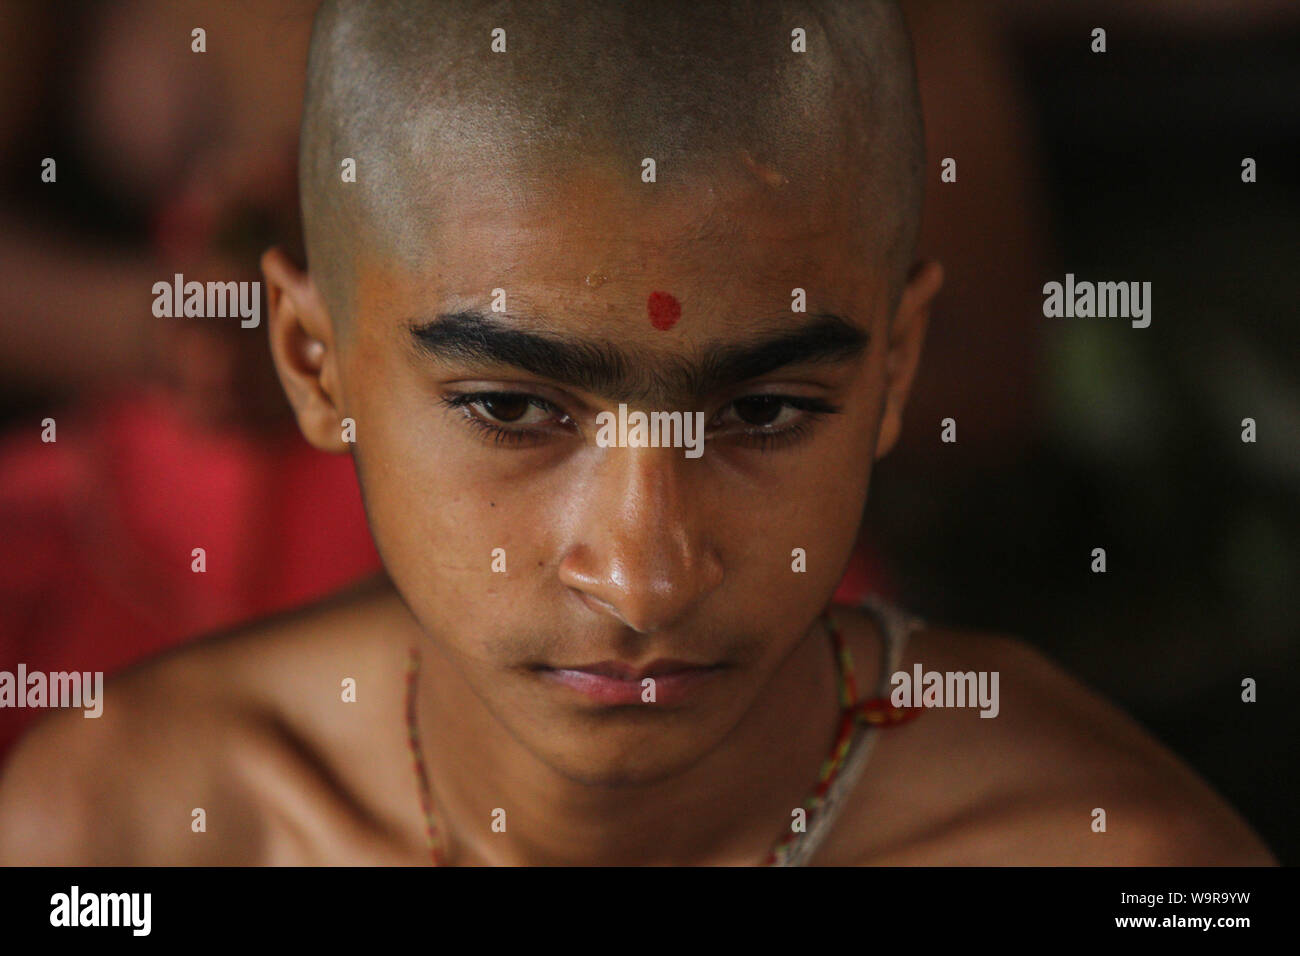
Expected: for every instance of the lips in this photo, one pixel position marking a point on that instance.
(619, 671)
(659, 682)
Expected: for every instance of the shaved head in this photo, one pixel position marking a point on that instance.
(414, 93)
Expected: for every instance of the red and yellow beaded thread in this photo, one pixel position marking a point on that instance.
(878, 711)
(433, 838)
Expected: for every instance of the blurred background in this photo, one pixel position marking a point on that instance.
(1072, 434)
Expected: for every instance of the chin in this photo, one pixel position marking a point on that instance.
(639, 767)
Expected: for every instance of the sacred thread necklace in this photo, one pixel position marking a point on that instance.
(877, 711)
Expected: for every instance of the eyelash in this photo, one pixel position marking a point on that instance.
(764, 439)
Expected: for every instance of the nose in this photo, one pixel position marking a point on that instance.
(641, 551)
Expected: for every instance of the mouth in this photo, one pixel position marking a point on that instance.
(662, 681)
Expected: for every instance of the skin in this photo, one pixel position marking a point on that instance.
(613, 553)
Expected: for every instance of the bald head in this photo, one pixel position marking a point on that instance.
(414, 92)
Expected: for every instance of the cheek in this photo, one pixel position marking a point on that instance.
(791, 553)
(434, 519)
(810, 518)
(462, 549)
(440, 528)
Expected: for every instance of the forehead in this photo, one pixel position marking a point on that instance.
(732, 201)
(731, 235)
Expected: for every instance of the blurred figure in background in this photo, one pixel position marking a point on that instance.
(171, 435)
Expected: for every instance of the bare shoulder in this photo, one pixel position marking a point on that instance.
(1053, 775)
(193, 747)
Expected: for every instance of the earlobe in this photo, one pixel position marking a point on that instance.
(302, 346)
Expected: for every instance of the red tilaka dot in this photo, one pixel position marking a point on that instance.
(664, 310)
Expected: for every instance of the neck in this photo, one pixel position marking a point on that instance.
(727, 808)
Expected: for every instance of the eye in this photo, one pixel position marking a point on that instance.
(771, 421)
(764, 410)
(505, 417)
(508, 408)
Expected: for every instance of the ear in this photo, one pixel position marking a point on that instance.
(906, 336)
(304, 350)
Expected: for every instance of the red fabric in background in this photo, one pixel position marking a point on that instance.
(99, 526)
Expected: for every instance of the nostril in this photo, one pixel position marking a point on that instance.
(596, 604)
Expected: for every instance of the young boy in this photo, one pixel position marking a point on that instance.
(532, 230)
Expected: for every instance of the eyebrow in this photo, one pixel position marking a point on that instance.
(603, 369)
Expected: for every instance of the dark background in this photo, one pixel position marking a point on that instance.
(1137, 444)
